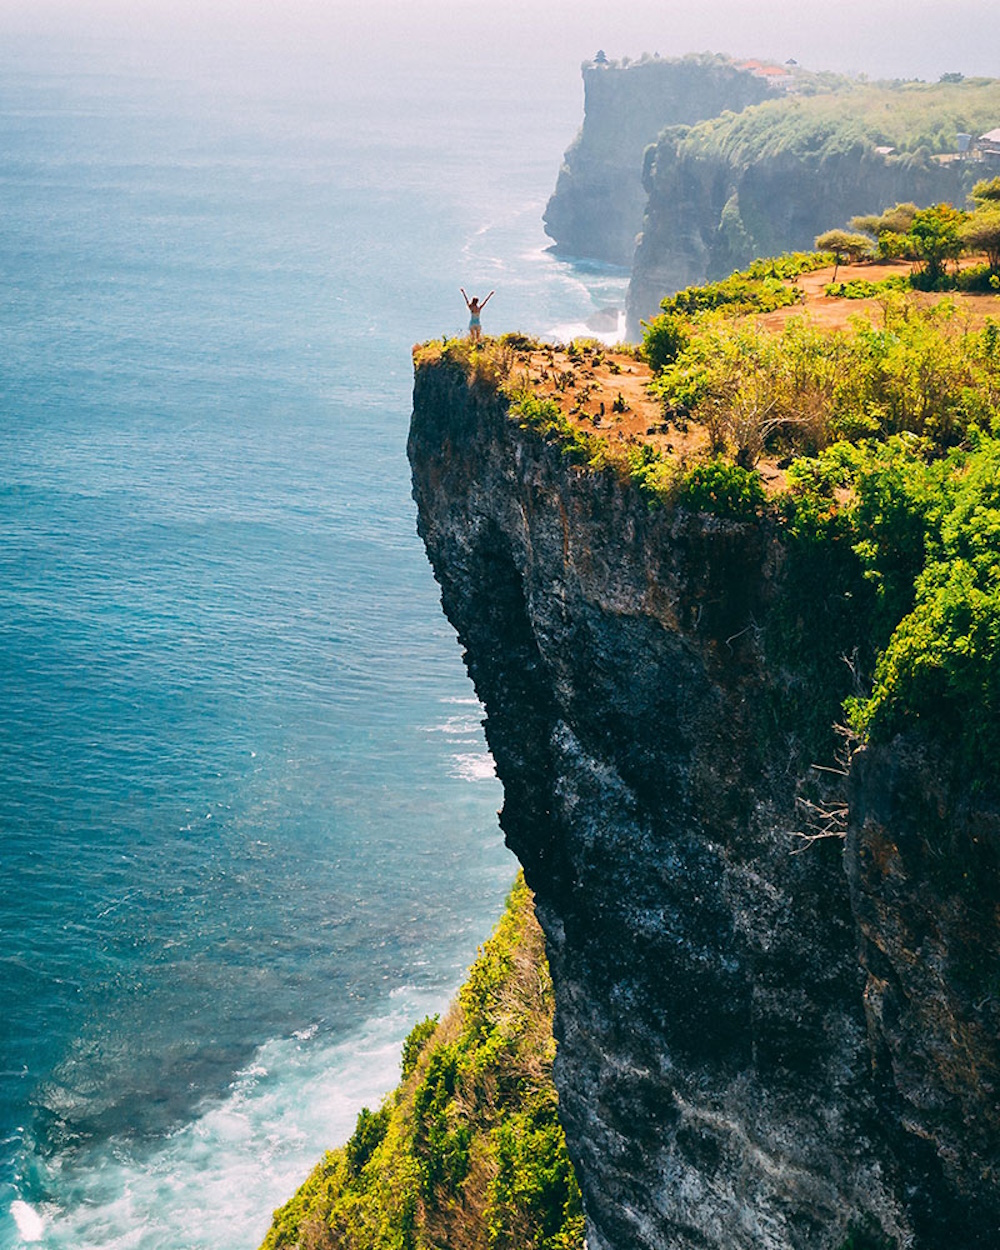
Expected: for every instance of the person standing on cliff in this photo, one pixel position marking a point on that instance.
(475, 308)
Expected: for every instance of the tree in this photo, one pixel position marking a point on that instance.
(936, 239)
(895, 220)
(981, 233)
(986, 192)
(845, 246)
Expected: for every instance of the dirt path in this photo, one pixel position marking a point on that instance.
(605, 392)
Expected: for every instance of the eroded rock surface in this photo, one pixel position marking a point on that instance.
(757, 1048)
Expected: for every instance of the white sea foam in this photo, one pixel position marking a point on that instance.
(457, 726)
(473, 766)
(463, 728)
(579, 330)
(30, 1225)
(297, 1098)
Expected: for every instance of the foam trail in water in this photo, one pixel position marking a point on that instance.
(464, 730)
(473, 766)
(298, 1098)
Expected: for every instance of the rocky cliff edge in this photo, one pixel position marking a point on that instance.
(765, 1040)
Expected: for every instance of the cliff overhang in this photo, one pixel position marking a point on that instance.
(761, 1044)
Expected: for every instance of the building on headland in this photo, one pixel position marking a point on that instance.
(776, 76)
(989, 146)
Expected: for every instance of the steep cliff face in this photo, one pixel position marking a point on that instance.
(597, 207)
(923, 860)
(709, 213)
(731, 1074)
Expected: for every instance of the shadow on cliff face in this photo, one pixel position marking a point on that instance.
(505, 664)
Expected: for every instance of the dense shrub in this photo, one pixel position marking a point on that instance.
(664, 339)
(414, 1044)
(547, 418)
(923, 530)
(941, 666)
(919, 370)
(859, 288)
(722, 488)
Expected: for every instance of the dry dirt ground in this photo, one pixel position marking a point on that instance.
(834, 313)
(604, 391)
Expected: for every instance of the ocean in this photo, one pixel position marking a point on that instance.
(247, 815)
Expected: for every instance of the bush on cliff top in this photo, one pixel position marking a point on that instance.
(468, 1152)
(922, 370)
(923, 532)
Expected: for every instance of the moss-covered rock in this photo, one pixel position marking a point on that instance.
(468, 1152)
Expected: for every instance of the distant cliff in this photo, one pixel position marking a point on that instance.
(773, 178)
(687, 169)
(731, 1074)
(597, 207)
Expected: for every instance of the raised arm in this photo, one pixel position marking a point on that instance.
(487, 299)
(465, 297)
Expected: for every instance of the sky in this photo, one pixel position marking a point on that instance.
(882, 38)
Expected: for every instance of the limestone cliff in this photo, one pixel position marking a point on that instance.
(708, 213)
(758, 1048)
(597, 207)
(773, 177)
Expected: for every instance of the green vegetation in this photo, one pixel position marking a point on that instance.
(891, 515)
(917, 120)
(468, 1152)
(981, 278)
(980, 232)
(932, 237)
(845, 245)
(723, 489)
(859, 288)
(987, 191)
(760, 288)
(887, 228)
(927, 537)
(547, 419)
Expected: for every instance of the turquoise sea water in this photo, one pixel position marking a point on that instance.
(247, 817)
